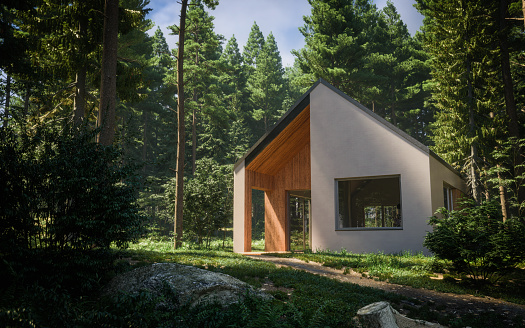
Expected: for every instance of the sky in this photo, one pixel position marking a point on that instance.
(280, 17)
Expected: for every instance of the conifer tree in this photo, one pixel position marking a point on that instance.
(338, 36)
(253, 46)
(266, 84)
(459, 35)
(181, 139)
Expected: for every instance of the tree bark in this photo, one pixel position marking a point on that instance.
(194, 137)
(108, 85)
(7, 101)
(144, 139)
(379, 314)
(474, 160)
(79, 102)
(179, 184)
(26, 100)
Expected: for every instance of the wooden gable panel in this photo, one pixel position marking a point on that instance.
(284, 147)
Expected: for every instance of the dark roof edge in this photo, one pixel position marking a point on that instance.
(282, 123)
(378, 118)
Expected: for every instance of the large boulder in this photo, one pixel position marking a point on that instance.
(179, 284)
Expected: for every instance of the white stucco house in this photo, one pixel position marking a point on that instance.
(369, 186)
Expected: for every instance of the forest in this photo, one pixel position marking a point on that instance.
(70, 78)
(108, 135)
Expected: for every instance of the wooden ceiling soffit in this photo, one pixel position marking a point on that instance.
(284, 146)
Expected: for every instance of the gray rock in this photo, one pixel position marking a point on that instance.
(179, 284)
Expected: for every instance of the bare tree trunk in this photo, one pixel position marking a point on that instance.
(179, 184)
(26, 100)
(144, 139)
(194, 135)
(7, 100)
(108, 84)
(79, 102)
(523, 10)
(474, 160)
(392, 109)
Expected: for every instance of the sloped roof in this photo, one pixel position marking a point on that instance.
(304, 103)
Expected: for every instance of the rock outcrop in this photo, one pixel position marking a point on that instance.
(180, 284)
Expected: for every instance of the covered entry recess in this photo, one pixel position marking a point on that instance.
(300, 218)
(278, 163)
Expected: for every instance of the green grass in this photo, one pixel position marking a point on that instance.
(419, 271)
(322, 300)
(301, 299)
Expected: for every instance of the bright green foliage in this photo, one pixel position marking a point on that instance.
(477, 241)
(507, 174)
(266, 84)
(338, 36)
(61, 190)
(466, 91)
(369, 55)
(253, 47)
(398, 70)
(207, 199)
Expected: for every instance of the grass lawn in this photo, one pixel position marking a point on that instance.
(418, 271)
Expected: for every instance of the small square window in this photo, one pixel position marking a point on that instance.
(369, 203)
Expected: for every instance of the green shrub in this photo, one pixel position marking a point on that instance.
(477, 241)
(62, 190)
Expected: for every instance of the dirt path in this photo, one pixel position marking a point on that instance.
(445, 303)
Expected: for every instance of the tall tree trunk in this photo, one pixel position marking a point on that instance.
(108, 84)
(501, 187)
(523, 10)
(474, 160)
(79, 102)
(508, 87)
(392, 109)
(26, 100)
(179, 184)
(7, 101)
(144, 139)
(510, 103)
(194, 136)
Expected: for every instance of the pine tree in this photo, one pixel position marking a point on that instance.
(234, 87)
(266, 85)
(253, 46)
(201, 64)
(181, 140)
(338, 36)
(459, 35)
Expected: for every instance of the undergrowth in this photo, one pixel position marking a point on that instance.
(301, 299)
(418, 271)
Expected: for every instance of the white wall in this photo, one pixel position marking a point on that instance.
(238, 208)
(346, 143)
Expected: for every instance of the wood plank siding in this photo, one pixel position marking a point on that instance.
(285, 146)
(283, 165)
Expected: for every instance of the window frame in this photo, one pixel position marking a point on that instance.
(378, 177)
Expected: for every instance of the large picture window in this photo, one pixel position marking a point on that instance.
(373, 202)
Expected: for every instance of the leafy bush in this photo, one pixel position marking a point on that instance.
(477, 241)
(208, 199)
(61, 189)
